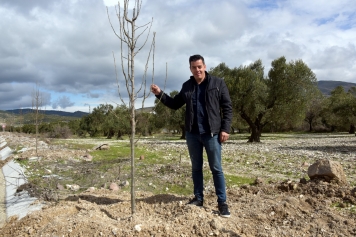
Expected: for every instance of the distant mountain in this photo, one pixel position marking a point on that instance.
(327, 86)
(76, 114)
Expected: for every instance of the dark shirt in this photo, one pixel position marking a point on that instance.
(201, 122)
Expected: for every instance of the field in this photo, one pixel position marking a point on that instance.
(265, 195)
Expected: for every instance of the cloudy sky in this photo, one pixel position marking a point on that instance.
(64, 48)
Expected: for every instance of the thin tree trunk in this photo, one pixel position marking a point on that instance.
(183, 132)
(132, 142)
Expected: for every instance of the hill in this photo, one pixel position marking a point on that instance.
(25, 116)
(327, 86)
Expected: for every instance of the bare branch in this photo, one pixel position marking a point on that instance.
(126, 6)
(138, 27)
(112, 27)
(164, 88)
(138, 4)
(123, 33)
(143, 84)
(144, 42)
(117, 80)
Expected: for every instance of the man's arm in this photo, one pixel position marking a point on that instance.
(173, 103)
(226, 108)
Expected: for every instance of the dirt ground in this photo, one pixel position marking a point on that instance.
(284, 208)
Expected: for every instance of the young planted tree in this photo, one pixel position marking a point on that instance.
(37, 102)
(129, 34)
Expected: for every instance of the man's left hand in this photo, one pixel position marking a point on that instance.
(224, 136)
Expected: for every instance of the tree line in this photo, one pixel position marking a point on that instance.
(286, 99)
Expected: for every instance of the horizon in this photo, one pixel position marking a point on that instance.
(88, 110)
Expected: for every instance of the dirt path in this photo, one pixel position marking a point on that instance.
(255, 211)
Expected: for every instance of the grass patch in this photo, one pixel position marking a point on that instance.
(233, 180)
(158, 172)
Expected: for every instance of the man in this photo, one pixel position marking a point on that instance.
(207, 123)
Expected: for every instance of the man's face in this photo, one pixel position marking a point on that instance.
(198, 69)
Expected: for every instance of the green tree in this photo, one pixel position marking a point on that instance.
(314, 111)
(98, 117)
(85, 126)
(143, 123)
(340, 109)
(119, 121)
(279, 100)
(94, 123)
(74, 126)
(292, 86)
(161, 115)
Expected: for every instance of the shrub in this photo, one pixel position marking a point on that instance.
(60, 132)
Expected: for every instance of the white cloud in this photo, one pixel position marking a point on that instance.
(67, 46)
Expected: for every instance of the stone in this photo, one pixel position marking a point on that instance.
(305, 164)
(60, 187)
(48, 171)
(91, 189)
(114, 187)
(125, 183)
(34, 158)
(138, 227)
(73, 187)
(103, 147)
(88, 157)
(258, 181)
(327, 170)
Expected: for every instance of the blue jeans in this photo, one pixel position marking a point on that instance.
(212, 145)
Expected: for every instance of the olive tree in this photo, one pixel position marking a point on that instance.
(340, 109)
(279, 100)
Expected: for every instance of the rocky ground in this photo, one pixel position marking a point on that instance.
(284, 206)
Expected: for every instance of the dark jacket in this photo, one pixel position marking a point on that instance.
(217, 99)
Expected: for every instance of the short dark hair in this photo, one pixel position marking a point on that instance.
(196, 57)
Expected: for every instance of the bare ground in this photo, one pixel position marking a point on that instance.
(282, 207)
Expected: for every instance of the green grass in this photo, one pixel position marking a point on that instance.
(112, 165)
(233, 180)
(73, 145)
